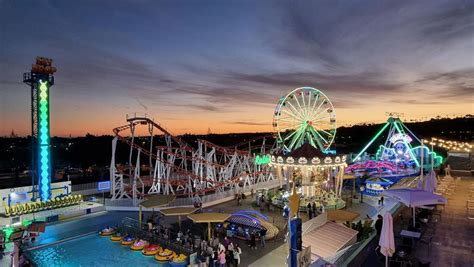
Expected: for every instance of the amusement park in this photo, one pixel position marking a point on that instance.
(337, 139)
(290, 194)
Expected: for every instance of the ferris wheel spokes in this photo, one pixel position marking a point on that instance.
(305, 115)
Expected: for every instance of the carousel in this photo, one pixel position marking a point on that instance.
(305, 126)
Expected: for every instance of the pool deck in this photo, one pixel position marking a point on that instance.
(274, 252)
(453, 244)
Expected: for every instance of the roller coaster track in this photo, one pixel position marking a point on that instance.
(182, 176)
(224, 150)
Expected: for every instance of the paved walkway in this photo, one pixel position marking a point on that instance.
(453, 244)
(369, 207)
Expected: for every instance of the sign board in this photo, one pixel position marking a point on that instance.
(304, 257)
(262, 159)
(398, 137)
(193, 258)
(103, 185)
(18, 197)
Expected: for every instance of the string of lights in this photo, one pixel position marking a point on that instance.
(449, 144)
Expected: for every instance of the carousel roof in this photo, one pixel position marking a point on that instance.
(306, 151)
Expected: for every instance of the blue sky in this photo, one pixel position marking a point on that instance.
(223, 65)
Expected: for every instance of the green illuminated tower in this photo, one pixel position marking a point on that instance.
(40, 79)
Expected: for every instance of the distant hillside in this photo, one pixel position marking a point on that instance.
(353, 139)
(91, 150)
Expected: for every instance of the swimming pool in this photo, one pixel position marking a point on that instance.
(90, 251)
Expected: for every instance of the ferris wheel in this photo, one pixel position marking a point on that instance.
(305, 115)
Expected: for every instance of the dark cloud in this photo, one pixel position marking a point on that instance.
(300, 40)
(250, 123)
(416, 101)
(202, 107)
(226, 95)
(170, 58)
(451, 22)
(358, 84)
(455, 85)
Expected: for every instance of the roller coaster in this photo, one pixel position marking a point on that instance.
(177, 168)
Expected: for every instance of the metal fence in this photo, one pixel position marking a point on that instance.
(132, 226)
(80, 187)
(221, 196)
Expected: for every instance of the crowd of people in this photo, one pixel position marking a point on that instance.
(219, 253)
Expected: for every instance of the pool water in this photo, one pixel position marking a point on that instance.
(90, 251)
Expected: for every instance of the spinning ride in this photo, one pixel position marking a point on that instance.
(402, 155)
(402, 148)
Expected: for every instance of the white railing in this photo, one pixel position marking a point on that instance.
(211, 199)
(138, 115)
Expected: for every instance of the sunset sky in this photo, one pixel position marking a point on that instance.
(223, 65)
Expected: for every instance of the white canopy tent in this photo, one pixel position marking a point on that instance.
(413, 198)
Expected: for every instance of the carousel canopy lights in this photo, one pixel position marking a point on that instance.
(309, 155)
(327, 161)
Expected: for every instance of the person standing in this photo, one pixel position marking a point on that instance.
(203, 245)
(313, 209)
(211, 256)
(221, 248)
(310, 211)
(447, 170)
(237, 252)
(215, 258)
(230, 249)
(253, 242)
(379, 224)
(263, 233)
(381, 201)
(222, 259)
(226, 242)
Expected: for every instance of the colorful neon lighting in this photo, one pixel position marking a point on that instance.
(371, 141)
(415, 151)
(43, 142)
(406, 144)
(7, 232)
(400, 137)
(261, 160)
(428, 154)
(371, 164)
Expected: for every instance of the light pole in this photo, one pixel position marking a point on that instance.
(362, 188)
